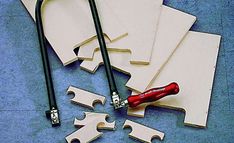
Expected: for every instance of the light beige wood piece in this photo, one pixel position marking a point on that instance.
(88, 132)
(141, 21)
(173, 26)
(86, 51)
(84, 135)
(95, 119)
(85, 98)
(142, 133)
(192, 66)
(68, 24)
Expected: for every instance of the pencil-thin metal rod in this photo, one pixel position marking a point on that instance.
(46, 64)
(103, 48)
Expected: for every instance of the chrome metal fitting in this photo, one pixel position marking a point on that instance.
(116, 101)
(53, 115)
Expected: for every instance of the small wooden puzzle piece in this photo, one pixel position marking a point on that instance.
(173, 26)
(192, 66)
(85, 98)
(69, 24)
(88, 131)
(84, 135)
(142, 133)
(141, 29)
(95, 118)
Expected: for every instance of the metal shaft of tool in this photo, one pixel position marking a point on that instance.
(53, 112)
(105, 56)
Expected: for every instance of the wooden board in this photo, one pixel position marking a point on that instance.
(68, 24)
(141, 25)
(173, 26)
(192, 66)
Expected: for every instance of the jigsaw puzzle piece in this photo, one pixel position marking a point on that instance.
(192, 66)
(173, 26)
(98, 119)
(69, 24)
(85, 98)
(89, 125)
(84, 135)
(142, 133)
(141, 29)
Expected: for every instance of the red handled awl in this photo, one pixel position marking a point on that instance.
(151, 95)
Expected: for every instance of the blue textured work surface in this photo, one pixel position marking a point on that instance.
(23, 98)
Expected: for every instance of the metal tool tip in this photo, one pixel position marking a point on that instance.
(53, 115)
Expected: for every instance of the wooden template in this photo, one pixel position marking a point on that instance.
(88, 131)
(192, 66)
(85, 98)
(141, 21)
(142, 133)
(68, 24)
(173, 26)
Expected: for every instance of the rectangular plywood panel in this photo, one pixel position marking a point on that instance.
(192, 66)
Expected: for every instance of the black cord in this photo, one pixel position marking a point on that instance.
(53, 112)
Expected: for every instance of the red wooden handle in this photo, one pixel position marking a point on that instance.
(153, 94)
